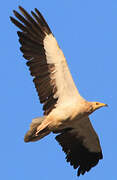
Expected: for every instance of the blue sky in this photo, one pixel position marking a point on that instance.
(86, 30)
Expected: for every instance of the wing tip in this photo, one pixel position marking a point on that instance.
(20, 7)
(78, 156)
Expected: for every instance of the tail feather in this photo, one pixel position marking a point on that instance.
(32, 135)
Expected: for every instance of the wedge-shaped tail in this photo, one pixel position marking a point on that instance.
(31, 135)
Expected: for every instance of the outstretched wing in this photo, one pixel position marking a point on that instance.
(46, 61)
(81, 145)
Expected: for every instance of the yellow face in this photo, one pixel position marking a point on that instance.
(97, 105)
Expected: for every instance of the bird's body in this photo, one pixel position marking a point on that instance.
(65, 110)
(65, 115)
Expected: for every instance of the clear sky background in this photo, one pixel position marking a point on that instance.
(86, 30)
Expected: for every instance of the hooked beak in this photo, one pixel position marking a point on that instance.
(102, 105)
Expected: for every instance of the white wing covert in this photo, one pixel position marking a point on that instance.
(46, 61)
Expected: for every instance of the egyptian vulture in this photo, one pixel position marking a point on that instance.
(66, 112)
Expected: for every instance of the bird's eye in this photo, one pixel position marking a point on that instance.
(97, 103)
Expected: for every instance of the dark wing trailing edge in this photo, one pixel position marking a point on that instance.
(31, 37)
(81, 145)
(46, 61)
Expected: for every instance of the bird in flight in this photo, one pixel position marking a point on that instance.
(66, 112)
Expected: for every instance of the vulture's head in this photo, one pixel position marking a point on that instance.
(97, 105)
